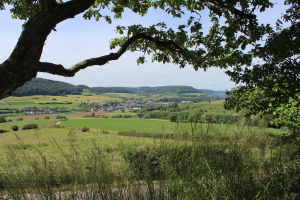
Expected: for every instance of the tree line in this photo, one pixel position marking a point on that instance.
(39, 86)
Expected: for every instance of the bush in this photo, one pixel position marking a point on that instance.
(60, 117)
(85, 129)
(36, 118)
(9, 120)
(46, 117)
(172, 118)
(3, 131)
(2, 119)
(56, 126)
(20, 119)
(30, 126)
(116, 116)
(15, 128)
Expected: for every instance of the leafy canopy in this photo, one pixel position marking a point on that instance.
(222, 46)
(272, 87)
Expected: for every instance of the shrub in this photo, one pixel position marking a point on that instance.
(56, 126)
(20, 119)
(46, 117)
(36, 118)
(85, 129)
(3, 131)
(116, 116)
(30, 126)
(2, 119)
(9, 120)
(60, 117)
(15, 128)
(172, 118)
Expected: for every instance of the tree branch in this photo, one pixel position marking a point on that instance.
(48, 5)
(220, 3)
(60, 70)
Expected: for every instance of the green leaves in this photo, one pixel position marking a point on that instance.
(272, 88)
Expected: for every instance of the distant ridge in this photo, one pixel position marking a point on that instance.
(153, 90)
(40, 86)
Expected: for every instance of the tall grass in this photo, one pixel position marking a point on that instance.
(235, 165)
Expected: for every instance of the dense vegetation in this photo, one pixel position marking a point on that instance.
(243, 164)
(39, 86)
(198, 113)
(143, 90)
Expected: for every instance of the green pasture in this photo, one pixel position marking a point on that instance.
(120, 124)
(4, 105)
(159, 126)
(214, 107)
(30, 101)
(41, 122)
(51, 141)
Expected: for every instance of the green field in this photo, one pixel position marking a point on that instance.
(116, 124)
(159, 126)
(48, 140)
(41, 122)
(33, 101)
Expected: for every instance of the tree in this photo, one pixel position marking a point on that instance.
(15, 128)
(172, 117)
(30, 126)
(272, 88)
(188, 45)
(2, 119)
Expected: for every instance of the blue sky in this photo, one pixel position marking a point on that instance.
(78, 39)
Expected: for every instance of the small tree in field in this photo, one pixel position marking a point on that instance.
(85, 129)
(172, 117)
(2, 119)
(15, 128)
(30, 126)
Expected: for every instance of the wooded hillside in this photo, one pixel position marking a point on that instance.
(40, 86)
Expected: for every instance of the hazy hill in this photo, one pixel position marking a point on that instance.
(40, 86)
(140, 90)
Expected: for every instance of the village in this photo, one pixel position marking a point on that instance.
(110, 106)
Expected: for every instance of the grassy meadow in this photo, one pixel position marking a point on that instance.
(129, 158)
(33, 101)
(63, 163)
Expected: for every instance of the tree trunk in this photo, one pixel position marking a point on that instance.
(23, 63)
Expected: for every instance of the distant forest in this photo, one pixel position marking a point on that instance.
(40, 86)
(153, 90)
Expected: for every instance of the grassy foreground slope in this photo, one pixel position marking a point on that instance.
(70, 164)
(52, 141)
